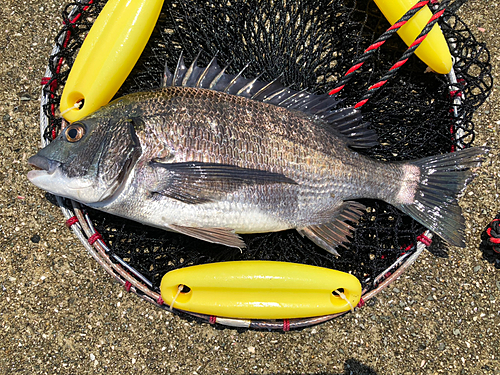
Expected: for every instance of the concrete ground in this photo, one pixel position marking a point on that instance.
(60, 313)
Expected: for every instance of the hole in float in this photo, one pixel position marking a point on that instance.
(75, 100)
(184, 288)
(337, 292)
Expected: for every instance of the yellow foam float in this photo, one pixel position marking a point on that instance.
(108, 54)
(434, 50)
(260, 290)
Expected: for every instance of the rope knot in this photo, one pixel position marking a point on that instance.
(92, 239)
(71, 221)
(286, 325)
(424, 239)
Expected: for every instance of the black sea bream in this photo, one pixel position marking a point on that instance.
(211, 155)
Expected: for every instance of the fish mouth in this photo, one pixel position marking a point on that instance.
(47, 175)
(42, 166)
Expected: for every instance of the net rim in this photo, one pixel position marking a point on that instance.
(140, 285)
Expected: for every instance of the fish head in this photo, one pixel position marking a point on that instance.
(88, 161)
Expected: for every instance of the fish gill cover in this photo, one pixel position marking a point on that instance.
(309, 45)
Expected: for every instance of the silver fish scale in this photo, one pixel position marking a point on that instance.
(187, 124)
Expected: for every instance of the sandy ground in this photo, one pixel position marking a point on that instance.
(61, 313)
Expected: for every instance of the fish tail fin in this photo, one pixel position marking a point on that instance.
(430, 190)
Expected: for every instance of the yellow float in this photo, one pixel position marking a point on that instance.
(108, 54)
(434, 50)
(260, 290)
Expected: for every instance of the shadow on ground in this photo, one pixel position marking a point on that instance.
(351, 367)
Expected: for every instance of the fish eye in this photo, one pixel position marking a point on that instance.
(75, 132)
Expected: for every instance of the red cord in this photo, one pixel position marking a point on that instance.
(54, 84)
(286, 325)
(92, 239)
(71, 221)
(424, 239)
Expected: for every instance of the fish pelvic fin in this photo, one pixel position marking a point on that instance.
(431, 187)
(329, 236)
(223, 236)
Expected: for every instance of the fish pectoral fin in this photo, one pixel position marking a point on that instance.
(223, 236)
(197, 182)
(329, 236)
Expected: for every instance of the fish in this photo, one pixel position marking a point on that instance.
(213, 155)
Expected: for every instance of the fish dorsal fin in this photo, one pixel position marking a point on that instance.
(345, 122)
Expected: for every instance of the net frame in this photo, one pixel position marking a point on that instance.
(133, 281)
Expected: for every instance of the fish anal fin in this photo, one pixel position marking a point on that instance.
(330, 235)
(223, 236)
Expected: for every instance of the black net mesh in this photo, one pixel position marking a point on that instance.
(311, 44)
